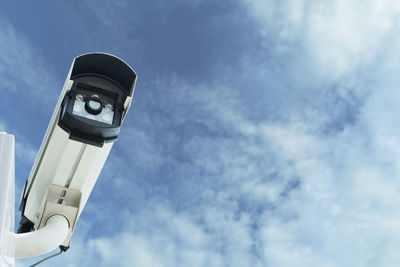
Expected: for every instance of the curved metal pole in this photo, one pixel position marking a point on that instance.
(42, 241)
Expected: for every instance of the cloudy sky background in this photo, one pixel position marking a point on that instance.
(263, 133)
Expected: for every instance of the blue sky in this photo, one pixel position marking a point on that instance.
(262, 133)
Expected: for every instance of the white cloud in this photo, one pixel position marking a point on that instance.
(24, 151)
(332, 39)
(22, 71)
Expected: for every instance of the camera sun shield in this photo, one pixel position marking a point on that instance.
(94, 107)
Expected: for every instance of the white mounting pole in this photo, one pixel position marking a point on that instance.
(42, 241)
(7, 192)
(27, 244)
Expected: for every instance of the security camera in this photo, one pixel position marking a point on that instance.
(86, 121)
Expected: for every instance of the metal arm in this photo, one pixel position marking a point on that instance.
(41, 241)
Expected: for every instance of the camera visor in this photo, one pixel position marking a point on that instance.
(94, 107)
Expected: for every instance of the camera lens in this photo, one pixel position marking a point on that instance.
(93, 106)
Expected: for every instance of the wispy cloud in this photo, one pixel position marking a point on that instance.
(21, 70)
(334, 38)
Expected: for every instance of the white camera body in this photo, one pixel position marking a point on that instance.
(86, 121)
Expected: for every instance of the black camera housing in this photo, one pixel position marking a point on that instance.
(103, 78)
